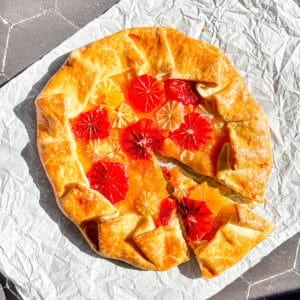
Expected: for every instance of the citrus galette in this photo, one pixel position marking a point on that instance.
(121, 105)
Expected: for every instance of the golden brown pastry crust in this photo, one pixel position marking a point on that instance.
(152, 42)
(82, 204)
(163, 246)
(56, 147)
(236, 231)
(163, 52)
(240, 232)
(248, 158)
(194, 60)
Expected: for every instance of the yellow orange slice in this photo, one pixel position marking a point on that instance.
(147, 203)
(122, 116)
(181, 184)
(110, 148)
(170, 116)
(214, 200)
(108, 94)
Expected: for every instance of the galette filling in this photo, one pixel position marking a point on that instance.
(121, 129)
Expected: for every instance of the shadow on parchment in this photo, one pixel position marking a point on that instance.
(25, 111)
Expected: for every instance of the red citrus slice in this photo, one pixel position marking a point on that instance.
(193, 132)
(145, 93)
(196, 218)
(109, 179)
(182, 90)
(91, 125)
(165, 212)
(216, 223)
(141, 138)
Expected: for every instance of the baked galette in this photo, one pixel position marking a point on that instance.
(149, 138)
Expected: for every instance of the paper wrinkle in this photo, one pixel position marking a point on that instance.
(45, 255)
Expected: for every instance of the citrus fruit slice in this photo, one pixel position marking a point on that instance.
(109, 179)
(91, 125)
(180, 183)
(212, 197)
(145, 93)
(182, 90)
(170, 116)
(141, 138)
(196, 217)
(107, 93)
(193, 132)
(167, 206)
(122, 116)
(110, 148)
(147, 203)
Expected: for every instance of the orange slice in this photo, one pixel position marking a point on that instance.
(147, 203)
(122, 116)
(181, 184)
(211, 196)
(108, 94)
(170, 116)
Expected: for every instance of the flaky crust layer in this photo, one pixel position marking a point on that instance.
(244, 164)
(241, 230)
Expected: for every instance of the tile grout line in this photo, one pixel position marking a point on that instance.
(297, 273)
(67, 20)
(31, 18)
(248, 292)
(5, 49)
(5, 21)
(249, 286)
(271, 277)
(296, 256)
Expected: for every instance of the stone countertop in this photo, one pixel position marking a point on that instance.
(28, 30)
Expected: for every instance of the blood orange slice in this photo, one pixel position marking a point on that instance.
(167, 206)
(145, 93)
(193, 132)
(183, 91)
(141, 138)
(109, 179)
(196, 218)
(91, 125)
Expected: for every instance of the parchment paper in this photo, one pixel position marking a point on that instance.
(44, 254)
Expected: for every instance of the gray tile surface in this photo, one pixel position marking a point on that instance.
(275, 274)
(30, 40)
(281, 260)
(82, 12)
(275, 285)
(31, 28)
(236, 291)
(3, 79)
(48, 4)
(15, 11)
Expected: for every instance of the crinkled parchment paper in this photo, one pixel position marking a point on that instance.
(44, 254)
